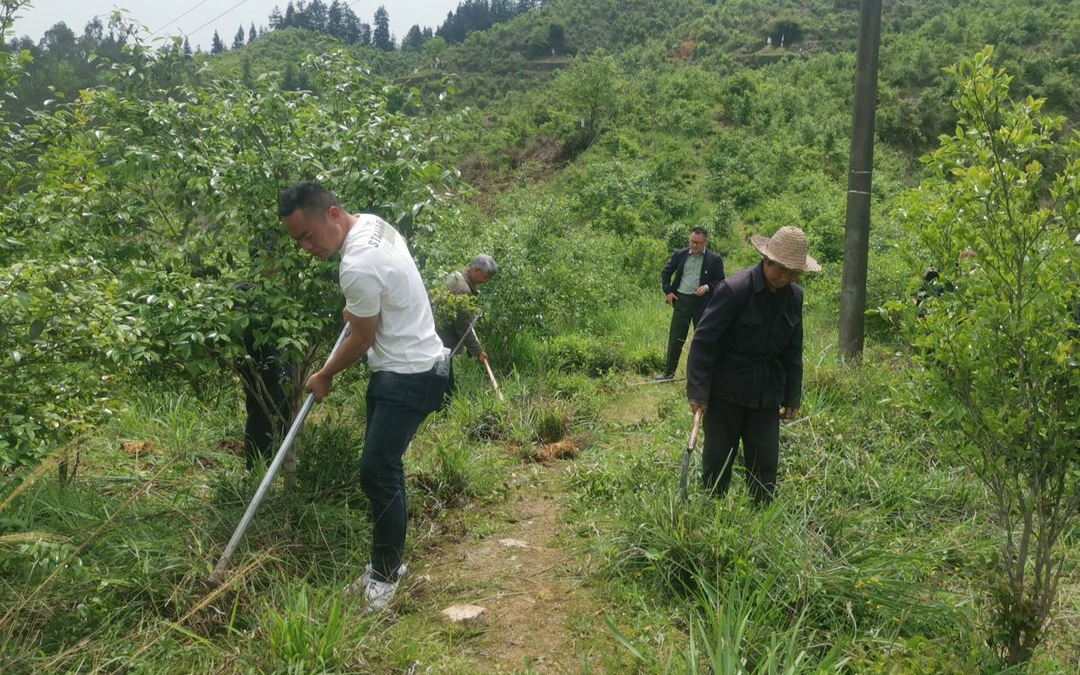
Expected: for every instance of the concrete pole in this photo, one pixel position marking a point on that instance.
(860, 179)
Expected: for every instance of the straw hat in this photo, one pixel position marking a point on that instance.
(787, 247)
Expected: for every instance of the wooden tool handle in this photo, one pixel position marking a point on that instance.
(694, 434)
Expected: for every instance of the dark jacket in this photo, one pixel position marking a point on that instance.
(743, 352)
(712, 271)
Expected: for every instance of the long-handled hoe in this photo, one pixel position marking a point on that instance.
(684, 479)
(494, 382)
(271, 473)
(487, 366)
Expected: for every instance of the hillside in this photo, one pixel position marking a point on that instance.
(578, 144)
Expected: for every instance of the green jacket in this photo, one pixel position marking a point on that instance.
(452, 328)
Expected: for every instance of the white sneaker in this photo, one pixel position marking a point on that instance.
(362, 582)
(379, 594)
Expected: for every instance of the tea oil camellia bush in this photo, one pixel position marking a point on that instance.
(1000, 343)
(161, 200)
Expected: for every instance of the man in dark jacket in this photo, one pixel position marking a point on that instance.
(746, 362)
(689, 279)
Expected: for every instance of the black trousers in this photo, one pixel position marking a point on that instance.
(687, 310)
(396, 406)
(267, 406)
(759, 430)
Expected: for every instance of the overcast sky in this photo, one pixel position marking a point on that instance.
(190, 16)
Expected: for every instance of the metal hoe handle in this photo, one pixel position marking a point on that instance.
(272, 471)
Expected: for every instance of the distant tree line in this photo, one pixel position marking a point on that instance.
(61, 63)
(474, 15)
(338, 20)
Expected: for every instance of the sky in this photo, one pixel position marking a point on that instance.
(196, 18)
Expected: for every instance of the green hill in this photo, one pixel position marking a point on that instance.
(578, 144)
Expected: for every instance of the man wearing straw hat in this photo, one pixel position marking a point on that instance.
(745, 363)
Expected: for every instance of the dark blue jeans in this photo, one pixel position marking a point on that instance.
(396, 405)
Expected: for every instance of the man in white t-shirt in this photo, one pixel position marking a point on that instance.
(390, 319)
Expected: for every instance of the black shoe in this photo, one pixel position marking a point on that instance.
(664, 377)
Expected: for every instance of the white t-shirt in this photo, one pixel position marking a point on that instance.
(378, 276)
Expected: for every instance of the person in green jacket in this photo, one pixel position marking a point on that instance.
(453, 320)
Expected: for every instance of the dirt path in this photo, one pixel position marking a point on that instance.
(522, 572)
(519, 560)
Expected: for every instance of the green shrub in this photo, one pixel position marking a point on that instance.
(575, 352)
(328, 460)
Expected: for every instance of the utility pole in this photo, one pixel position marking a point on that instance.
(860, 179)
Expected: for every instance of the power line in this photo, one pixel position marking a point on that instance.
(215, 18)
(179, 17)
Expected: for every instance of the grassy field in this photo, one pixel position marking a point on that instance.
(871, 560)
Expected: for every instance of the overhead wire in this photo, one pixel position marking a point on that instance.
(189, 11)
(214, 19)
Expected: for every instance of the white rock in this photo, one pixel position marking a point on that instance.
(514, 543)
(469, 616)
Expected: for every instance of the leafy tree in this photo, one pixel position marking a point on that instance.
(1001, 347)
(435, 47)
(216, 45)
(162, 244)
(238, 39)
(381, 37)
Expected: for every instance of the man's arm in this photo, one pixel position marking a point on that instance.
(792, 361)
(718, 274)
(361, 338)
(462, 322)
(668, 271)
(705, 346)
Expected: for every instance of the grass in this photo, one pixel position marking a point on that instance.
(873, 558)
(877, 545)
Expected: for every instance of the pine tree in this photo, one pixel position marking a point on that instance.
(290, 16)
(316, 13)
(252, 34)
(335, 20)
(187, 48)
(364, 37)
(275, 18)
(238, 39)
(381, 37)
(216, 45)
(245, 73)
(351, 28)
(413, 40)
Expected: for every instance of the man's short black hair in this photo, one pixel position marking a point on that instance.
(701, 231)
(309, 197)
